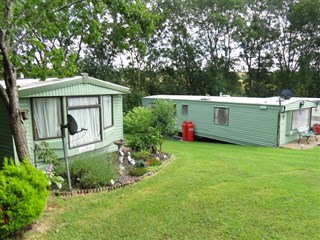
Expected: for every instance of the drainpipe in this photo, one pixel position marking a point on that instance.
(281, 111)
(311, 111)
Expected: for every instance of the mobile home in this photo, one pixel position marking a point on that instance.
(243, 120)
(95, 105)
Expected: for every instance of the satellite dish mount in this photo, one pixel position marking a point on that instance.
(72, 127)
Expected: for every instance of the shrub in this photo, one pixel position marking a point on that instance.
(143, 141)
(140, 164)
(138, 123)
(45, 154)
(23, 194)
(48, 156)
(153, 162)
(91, 170)
(141, 155)
(138, 171)
(136, 142)
(164, 119)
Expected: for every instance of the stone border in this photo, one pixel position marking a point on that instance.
(116, 185)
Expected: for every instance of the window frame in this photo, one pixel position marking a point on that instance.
(215, 119)
(112, 113)
(34, 127)
(175, 109)
(98, 106)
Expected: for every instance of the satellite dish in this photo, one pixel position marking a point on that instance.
(72, 125)
(286, 94)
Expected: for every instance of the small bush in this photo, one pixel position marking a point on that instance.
(141, 155)
(153, 162)
(136, 142)
(46, 154)
(23, 195)
(138, 123)
(143, 141)
(138, 171)
(140, 164)
(90, 170)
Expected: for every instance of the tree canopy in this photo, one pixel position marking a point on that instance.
(239, 47)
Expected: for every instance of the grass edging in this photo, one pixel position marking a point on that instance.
(116, 185)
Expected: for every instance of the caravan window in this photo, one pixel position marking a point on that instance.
(221, 116)
(86, 112)
(184, 110)
(46, 114)
(300, 118)
(107, 111)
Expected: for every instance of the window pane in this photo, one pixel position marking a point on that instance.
(47, 117)
(184, 110)
(107, 111)
(86, 112)
(82, 101)
(300, 118)
(87, 118)
(221, 116)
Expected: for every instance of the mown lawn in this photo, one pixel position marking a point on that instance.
(210, 191)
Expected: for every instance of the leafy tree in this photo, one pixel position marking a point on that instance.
(163, 119)
(256, 36)
(217, 23)
(304, 17)
(44, 38)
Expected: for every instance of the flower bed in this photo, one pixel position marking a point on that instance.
(124, 179)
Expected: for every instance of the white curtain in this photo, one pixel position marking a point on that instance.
(107, 111)
(300, 118)
(221, 115)
(82, 101)
(47, 117)
(87, 117)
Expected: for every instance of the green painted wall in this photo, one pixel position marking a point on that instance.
(109, 135)
(248, 124)
(6, 142)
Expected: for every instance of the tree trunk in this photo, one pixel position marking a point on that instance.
(19, 135)
(11, 100)
(16, 122)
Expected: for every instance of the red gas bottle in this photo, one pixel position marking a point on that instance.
(190, 134)
(184, 131)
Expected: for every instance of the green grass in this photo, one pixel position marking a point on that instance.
(210, 191)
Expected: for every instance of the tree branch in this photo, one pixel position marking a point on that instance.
(68, 5)
(22, 38)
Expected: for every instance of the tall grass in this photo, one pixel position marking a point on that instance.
(90, 170)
